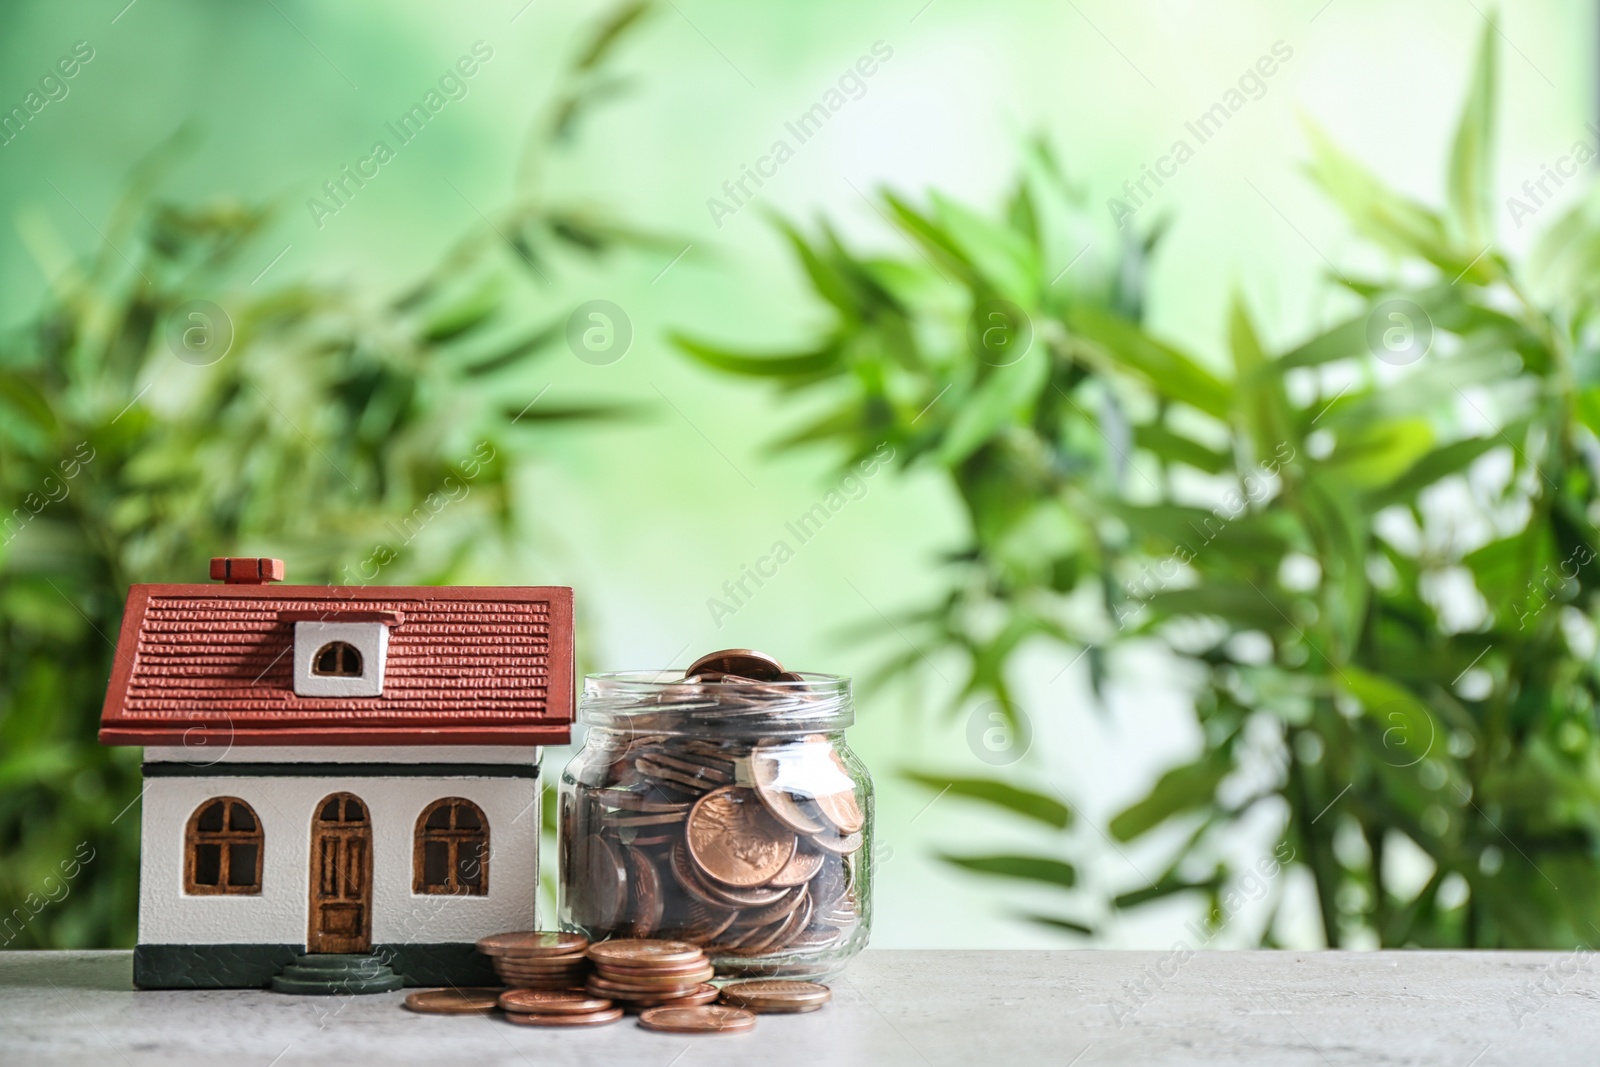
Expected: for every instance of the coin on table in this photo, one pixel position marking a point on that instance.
(776, 995)
(745, 662)
(733, 838)
(533, 943)
(453, 1001)
(642, 952)
(593, 1018)
(705, 1019)
(552, 1002)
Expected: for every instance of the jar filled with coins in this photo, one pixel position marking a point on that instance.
(720, 806)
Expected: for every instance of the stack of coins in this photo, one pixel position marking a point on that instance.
(776, 996)
(646, 974)
(538, 959)
(745, 848)
(549, 1007)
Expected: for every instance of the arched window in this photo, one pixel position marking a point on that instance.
(452, 849)
(337, 659)
(222, 849)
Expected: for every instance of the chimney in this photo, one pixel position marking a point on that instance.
(246, 571)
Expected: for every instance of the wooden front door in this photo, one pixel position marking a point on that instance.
(341, 876)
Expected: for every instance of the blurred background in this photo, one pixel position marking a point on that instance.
(218, 342)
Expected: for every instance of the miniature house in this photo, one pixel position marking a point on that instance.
(335, 770)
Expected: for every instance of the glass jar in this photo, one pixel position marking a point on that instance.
(730, 814)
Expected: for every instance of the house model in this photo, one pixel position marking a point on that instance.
(341, 784)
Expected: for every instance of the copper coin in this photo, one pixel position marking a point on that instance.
(773, 912)
(816, 937)
(599, 987)
(732, 837)
(706, 891)
(718, 771)
(593, 1018)
(534, 965)
(839, 846)
(704, 994)
(605, 886)
(645, 887)
(637, 952)
(702, 922)
(684, 872)
(742, 661)
(676, 777)
(797, 813)
(647, 819)
(706, 1019)
(840, 806)
(644, 983)
(646, 801)
(534, 943)
(800, 869)
(453, 1001)
(551, 1002)
(542, 963)
(776, 995)
(650, 970)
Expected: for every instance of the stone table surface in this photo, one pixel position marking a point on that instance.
(999, 1009)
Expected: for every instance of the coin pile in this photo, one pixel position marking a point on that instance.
(550, 1007)
(710, 1019)
(642, 973)
(747, 847)
(538, 959)
(776, 996)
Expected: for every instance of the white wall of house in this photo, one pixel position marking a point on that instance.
(286, 807)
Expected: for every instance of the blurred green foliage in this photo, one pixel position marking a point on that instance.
(1373, 552)
(360, 436)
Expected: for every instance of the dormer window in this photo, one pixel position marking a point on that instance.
(337, 659)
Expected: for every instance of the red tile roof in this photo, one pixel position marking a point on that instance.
(207, 664)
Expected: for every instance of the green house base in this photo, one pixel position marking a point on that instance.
(254, 966)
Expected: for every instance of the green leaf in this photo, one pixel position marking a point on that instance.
(1348, 340)
(794, 365)
(1000, 399)
(1182, 789)
(1058, 923)
(1471, 155)
(1396, 222)
(1175, 448)
(1262, 401)
(1442, 462)
(1163, 367)
(1037, 806)
(1376, 454)
(610, 30)
(1166, 887)
(1031, 868)
(467, 314)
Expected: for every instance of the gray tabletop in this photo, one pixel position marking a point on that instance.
(999, 1009)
